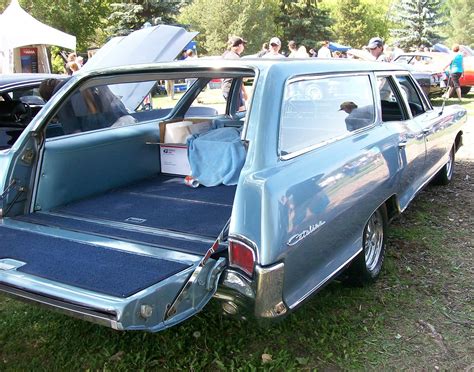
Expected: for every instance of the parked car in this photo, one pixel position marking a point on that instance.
(19, 103)
(135, 221)
(429, 81)
(436, 62)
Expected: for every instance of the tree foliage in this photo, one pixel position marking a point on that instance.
(420, 21)
(304, 22)
(217, 20)
(127, 16)
(357, 22)
(460, 27)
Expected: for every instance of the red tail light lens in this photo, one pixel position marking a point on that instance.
(241, 256)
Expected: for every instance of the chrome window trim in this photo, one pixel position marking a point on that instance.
(377, 121)
(391, 75)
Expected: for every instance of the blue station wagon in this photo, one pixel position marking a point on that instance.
(256, 186)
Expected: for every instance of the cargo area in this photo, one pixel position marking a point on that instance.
(159, 212)
(140, 211)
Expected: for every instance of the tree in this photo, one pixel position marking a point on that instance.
(460, 28)
(357, 22)
(419, 21)
(254, 20)
(128, 16)
(304, 22)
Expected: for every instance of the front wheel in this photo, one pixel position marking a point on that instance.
(445, 174)
(367, 265)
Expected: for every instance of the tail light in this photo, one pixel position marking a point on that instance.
(241, 256)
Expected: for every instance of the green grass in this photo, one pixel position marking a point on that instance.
(427, 280)
(467, 102)
(377, 327)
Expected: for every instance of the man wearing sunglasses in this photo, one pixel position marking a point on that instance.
(375, 48)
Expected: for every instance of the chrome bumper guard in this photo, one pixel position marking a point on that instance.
(261, 297)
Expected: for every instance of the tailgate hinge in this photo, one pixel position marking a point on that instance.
(210, 282)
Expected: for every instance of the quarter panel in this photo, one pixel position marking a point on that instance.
(315, 206)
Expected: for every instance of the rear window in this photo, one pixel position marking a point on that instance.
(316, 110)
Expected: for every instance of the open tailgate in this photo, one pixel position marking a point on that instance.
(124, 285)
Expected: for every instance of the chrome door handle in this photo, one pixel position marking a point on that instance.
(402, 144)
(426, 131)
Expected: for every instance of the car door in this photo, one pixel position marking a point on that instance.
(430, 122)
(411, 141)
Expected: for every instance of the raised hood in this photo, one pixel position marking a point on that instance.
(152, 44)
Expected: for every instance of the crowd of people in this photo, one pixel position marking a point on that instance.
(273, 49)
(375, 47)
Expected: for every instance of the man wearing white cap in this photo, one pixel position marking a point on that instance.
(274, 49)
(375, 48)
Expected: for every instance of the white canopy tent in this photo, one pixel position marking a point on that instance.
(23, 41)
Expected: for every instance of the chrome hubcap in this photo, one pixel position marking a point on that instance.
(449, 166)
(373, 240)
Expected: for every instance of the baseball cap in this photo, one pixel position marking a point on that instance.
(236, 41)
(347, 104)
(275, 40)
(375, 42)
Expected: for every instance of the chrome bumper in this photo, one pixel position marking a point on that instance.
(76, 311)
(261, 297)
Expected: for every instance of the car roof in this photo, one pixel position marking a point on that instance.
(288, 66)
(9, 81)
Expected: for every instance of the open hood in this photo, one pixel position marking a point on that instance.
(152, 44)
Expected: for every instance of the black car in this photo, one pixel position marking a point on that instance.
(19, 103)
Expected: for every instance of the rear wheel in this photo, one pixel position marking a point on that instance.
(367, 265)
(445, 174)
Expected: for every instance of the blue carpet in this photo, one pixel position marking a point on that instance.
(164, 205)
(91, 267)
(172, 186)
(182, 245)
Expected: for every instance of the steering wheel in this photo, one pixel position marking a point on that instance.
(22, 113)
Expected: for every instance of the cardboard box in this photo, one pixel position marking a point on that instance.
(174, 159)
(198, 126)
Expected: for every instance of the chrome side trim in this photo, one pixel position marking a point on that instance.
(77, 311)
(320, 284)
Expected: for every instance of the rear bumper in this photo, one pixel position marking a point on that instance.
(261, 297)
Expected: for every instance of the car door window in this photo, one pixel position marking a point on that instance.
(317, 110)
(392, 109)
(410, 93)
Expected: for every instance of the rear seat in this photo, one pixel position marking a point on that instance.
(391, 111)
(228, 122)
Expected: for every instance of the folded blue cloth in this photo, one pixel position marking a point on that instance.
(216, 157)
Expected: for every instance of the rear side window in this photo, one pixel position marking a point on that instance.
(318, 110)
